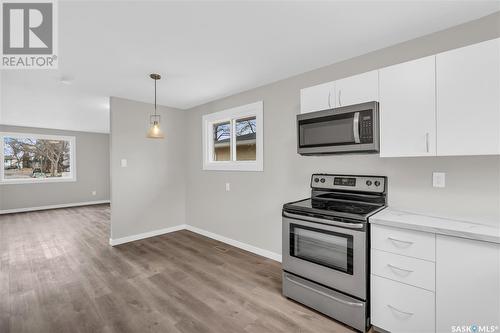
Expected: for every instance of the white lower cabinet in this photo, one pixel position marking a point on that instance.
(402, 279)
(398, 307)
(433, 283)
(467, 284)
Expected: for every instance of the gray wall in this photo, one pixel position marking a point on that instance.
(149, 194)
(92, 174)
(251, 212)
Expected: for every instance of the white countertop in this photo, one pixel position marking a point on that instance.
(395, 218)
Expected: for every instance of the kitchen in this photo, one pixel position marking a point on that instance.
(425, 105)
(413, 257)
(260, 178)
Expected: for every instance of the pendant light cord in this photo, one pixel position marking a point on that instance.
(155, 97)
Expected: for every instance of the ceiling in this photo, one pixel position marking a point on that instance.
(204, 50)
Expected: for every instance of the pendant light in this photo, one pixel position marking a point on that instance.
(154, 131)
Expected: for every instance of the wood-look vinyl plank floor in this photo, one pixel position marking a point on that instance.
(58, 273)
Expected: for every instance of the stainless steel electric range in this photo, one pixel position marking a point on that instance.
(325, 246)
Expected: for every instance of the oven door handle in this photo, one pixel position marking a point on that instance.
(323, 293)
(355, 127)
(330, 222)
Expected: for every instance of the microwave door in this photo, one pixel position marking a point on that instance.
(349, 129)
(334, 130)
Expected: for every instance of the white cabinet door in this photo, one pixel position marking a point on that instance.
(408, 109)
(397, 307)
(357, 89)
(468, 100)
(317, 98)
(467, 283)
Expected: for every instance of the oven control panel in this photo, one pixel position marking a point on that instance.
(350, 183)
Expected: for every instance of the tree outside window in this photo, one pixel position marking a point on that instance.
(32, 158)
(233, 139)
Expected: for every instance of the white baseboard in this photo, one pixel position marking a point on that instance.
(235, 243)
(32, 209)
(148, 234)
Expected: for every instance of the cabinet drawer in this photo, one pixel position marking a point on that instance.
(410, 243)
(397, 307)
(416, 272)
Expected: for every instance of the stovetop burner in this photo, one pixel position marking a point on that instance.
(333, 208)
(352, 197)
(340, 206)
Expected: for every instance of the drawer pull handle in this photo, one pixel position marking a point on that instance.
(400, 311)
(395, 240)
(407, 271)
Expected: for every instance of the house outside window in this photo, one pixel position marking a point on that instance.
(36, 158)
(233, 139)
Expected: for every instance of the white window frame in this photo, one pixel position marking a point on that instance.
(231, 115)
(72, 159)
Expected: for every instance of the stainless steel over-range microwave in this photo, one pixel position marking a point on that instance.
(347, 129)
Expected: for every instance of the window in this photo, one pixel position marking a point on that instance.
(35, 158)
(233, 139)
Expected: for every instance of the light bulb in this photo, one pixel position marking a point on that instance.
(155, 131)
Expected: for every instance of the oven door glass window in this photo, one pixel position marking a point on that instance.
(322, 247)
(327, 131)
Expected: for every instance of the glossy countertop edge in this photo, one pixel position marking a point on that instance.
(438, 225)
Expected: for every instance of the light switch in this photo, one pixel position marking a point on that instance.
(124, 163)
(228, 187)
(439, 179)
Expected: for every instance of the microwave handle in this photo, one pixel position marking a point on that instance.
(355, 127)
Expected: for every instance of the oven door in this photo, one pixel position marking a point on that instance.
(347, 129)
(330, 253)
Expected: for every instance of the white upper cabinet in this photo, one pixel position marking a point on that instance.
(408, 109)
(317, 98)
(468, 100)
(348, 91)
(357, 89)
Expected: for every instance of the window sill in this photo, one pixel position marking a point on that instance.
(37, 181)
(233, 166)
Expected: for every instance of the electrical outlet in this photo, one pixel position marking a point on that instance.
(439, 179)
(94, 193)
(228, 187)
(124, 163)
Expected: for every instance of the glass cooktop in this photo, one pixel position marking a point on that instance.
(334, 207)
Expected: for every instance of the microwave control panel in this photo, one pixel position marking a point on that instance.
(366, 126)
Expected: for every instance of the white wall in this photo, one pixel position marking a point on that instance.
(251, 212)
(149, 194)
